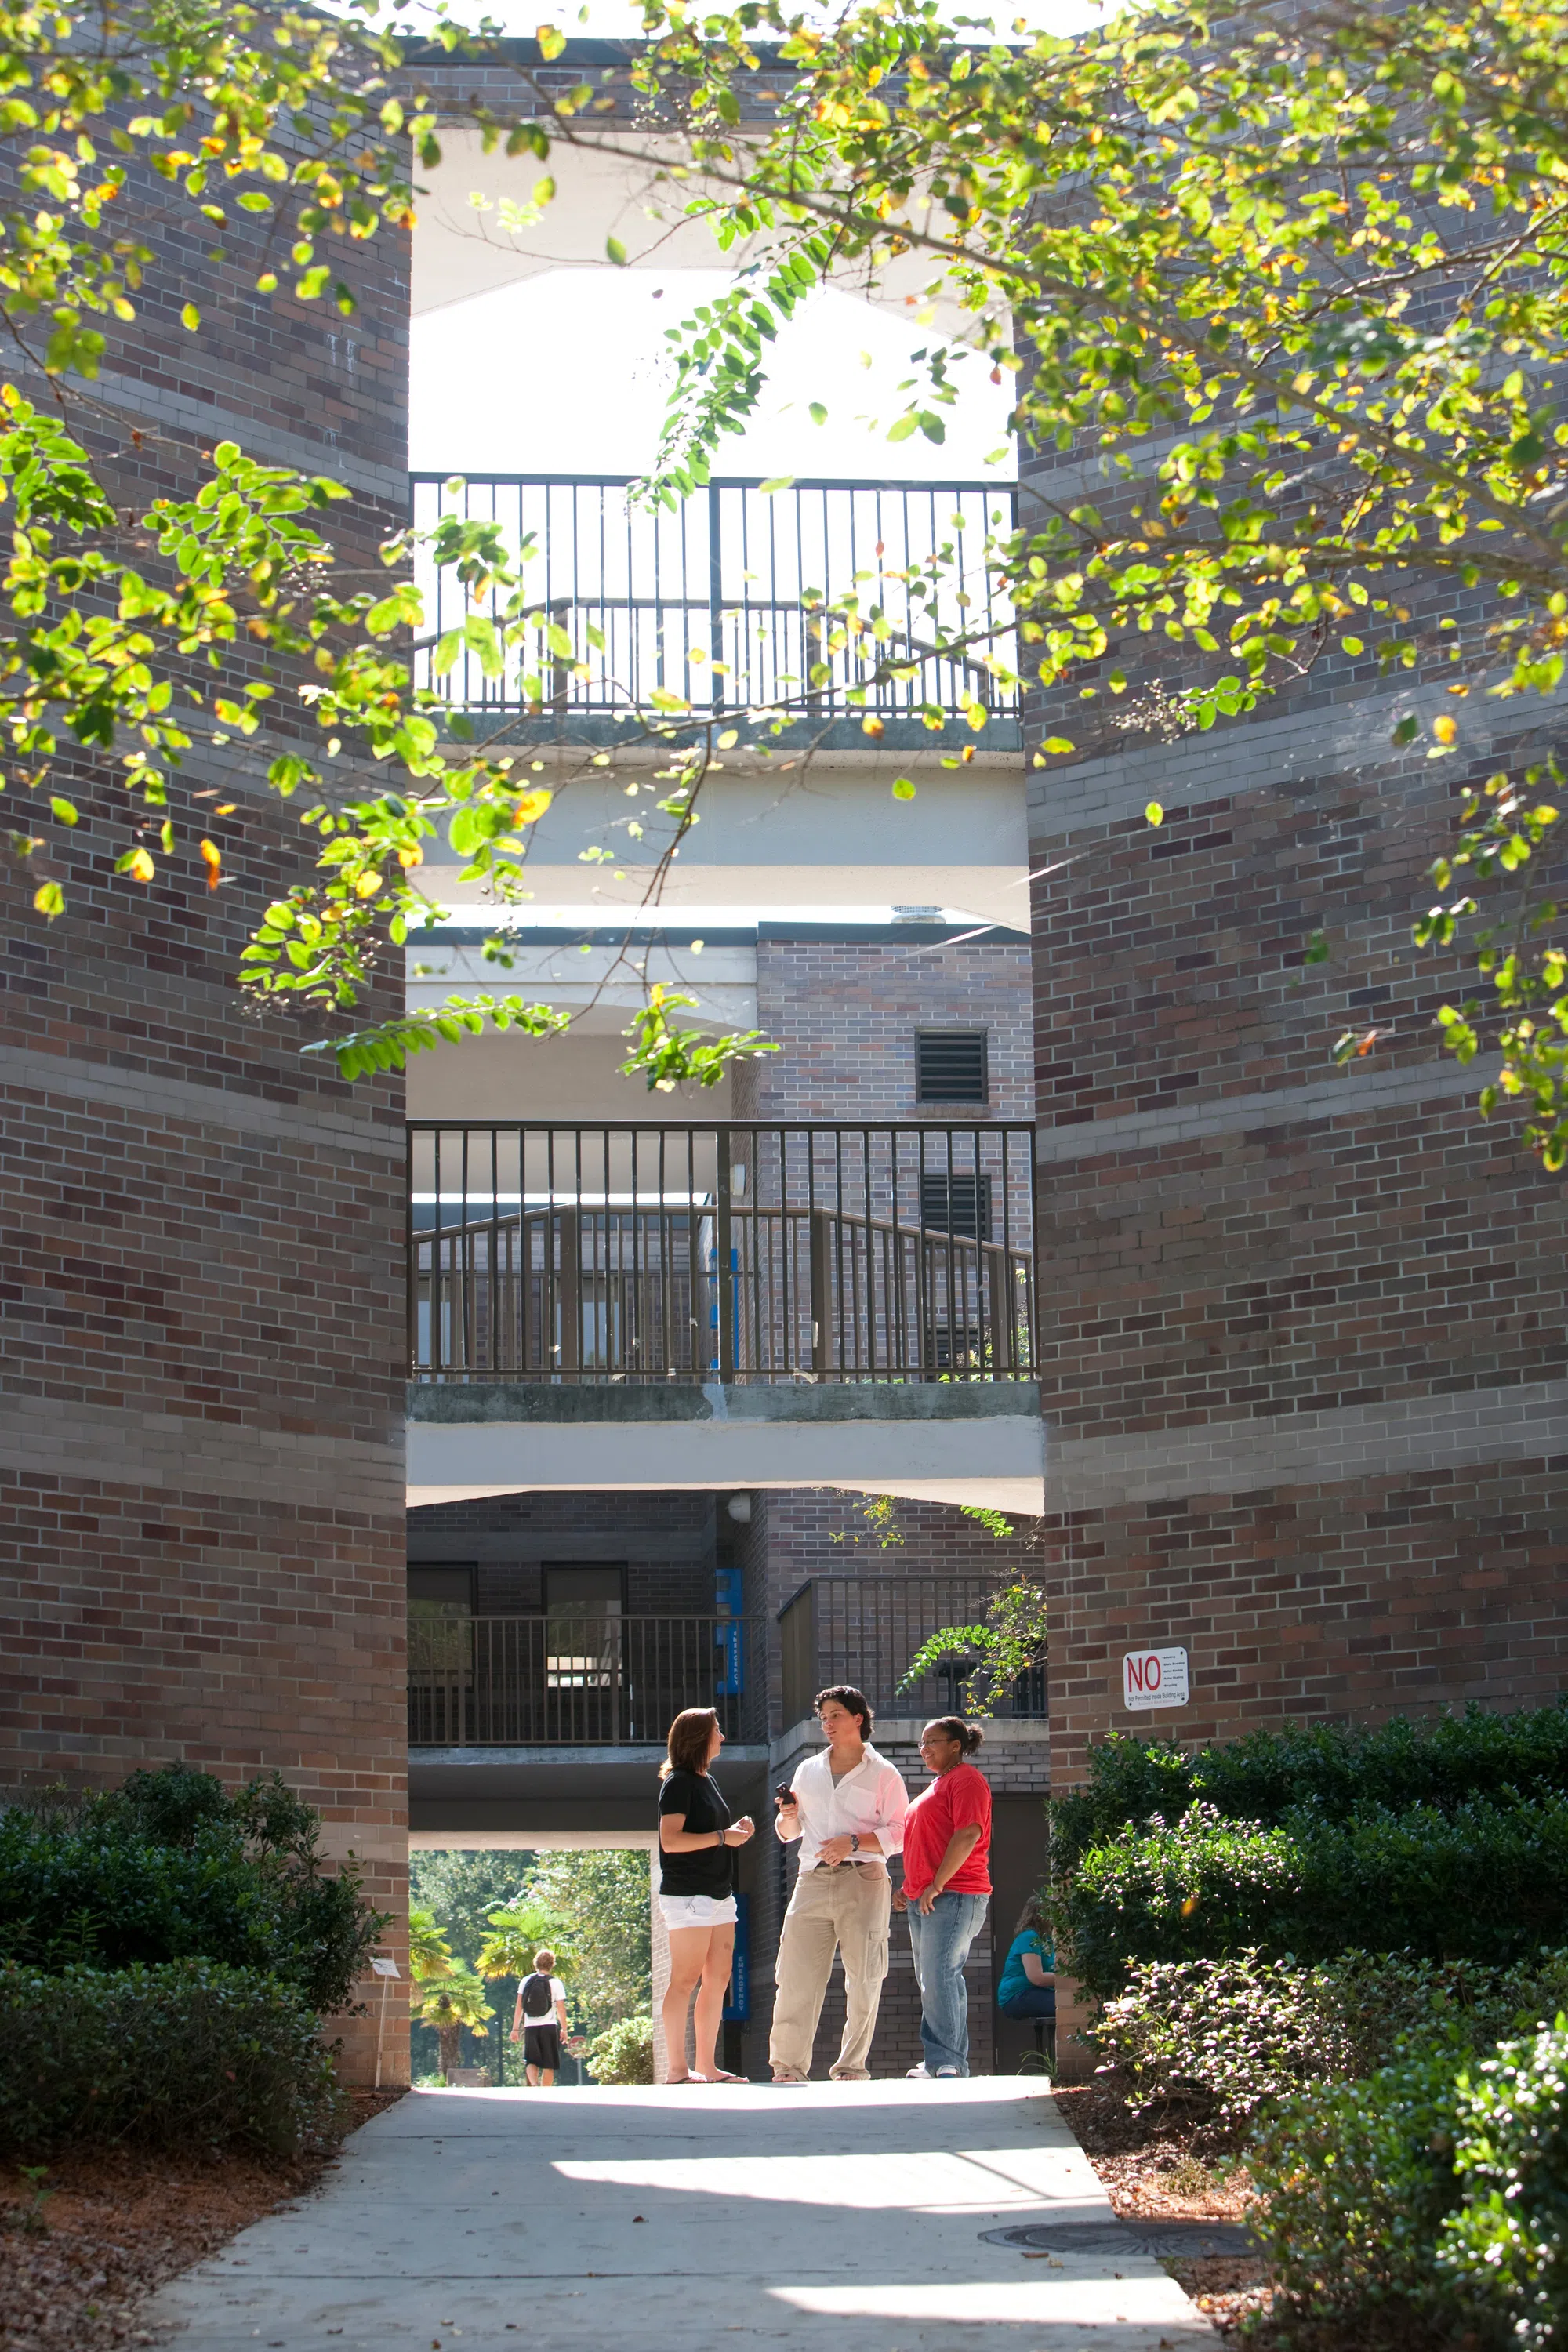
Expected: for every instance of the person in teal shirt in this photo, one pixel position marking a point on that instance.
(1027, 1986)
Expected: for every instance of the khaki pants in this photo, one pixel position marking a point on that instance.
(846, 1910)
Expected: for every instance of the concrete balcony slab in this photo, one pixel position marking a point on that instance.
(505, 1792)
(978, 1441)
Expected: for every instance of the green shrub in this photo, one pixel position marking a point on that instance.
(1445, 1763)
(1487, 1882)
(1428, 2202)
(174, 1865)
(1221, 2037)
(1357, 2180)
(1507, 2245)
(189, 2052)
(624, 2054)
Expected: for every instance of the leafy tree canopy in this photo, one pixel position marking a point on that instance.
(1287, 283)
(1285, 280)
(128, 637)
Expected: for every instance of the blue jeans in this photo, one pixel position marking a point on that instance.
(941, 1944)
(1034, 2000)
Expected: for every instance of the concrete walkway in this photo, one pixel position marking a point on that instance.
(847, 2216)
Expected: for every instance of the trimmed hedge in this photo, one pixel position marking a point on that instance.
(1487, 1882)
(1220, 2038)
(188, 2052)
(174, 1865)
(1443, 1763)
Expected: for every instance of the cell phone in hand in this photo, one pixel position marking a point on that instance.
(784, 1794)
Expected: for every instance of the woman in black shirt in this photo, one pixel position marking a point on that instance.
(697, 1891)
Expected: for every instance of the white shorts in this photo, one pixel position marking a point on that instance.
(698, 1910)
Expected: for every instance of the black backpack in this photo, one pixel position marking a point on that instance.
(536, 1999)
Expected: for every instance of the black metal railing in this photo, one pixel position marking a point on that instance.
(725, 1253)
(723, 602)
(867, 1630)
(577, 1680)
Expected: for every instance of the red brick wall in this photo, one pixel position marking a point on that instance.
(201, 1479)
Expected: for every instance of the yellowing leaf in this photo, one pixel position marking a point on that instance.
(872, 725)
(1444, 730)
(213, 856)
(903, 789)
(411, 857)
(530, 806)
(49, 899)
(1155, 813)
(139, 864)
(191, 317)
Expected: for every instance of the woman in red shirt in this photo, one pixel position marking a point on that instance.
(947, 1885)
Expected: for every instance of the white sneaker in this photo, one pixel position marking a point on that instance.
(947, 2074)
(921, 2074)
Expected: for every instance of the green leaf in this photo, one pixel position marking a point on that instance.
(903, 789)
(617, 251)
(778, 482)
(66, 810)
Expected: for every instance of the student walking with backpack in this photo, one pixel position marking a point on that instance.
(540, 2017)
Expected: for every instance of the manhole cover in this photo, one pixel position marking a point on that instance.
(1192, 2241)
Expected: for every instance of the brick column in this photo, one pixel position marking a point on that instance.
(201, 1486)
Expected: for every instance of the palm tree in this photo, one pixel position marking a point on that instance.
(516, 1934)
(429, 1954)
(448, 2004)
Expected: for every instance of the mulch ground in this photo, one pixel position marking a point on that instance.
(77, 2265)
(1168, 2170)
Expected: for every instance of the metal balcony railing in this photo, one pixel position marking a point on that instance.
(577, 1681)
(725, 1253)
(866, 1629)
(722, 604)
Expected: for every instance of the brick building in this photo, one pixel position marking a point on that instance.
(1298, 1338)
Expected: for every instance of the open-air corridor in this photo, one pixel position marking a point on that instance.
(849, 2217)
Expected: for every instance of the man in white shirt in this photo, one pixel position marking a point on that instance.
(846, 1807)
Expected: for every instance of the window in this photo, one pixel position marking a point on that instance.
(441, 1592)
(583, 1610)
(950, 1067)
(959, 1205)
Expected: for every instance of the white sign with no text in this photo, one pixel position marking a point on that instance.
(1155, 1678)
